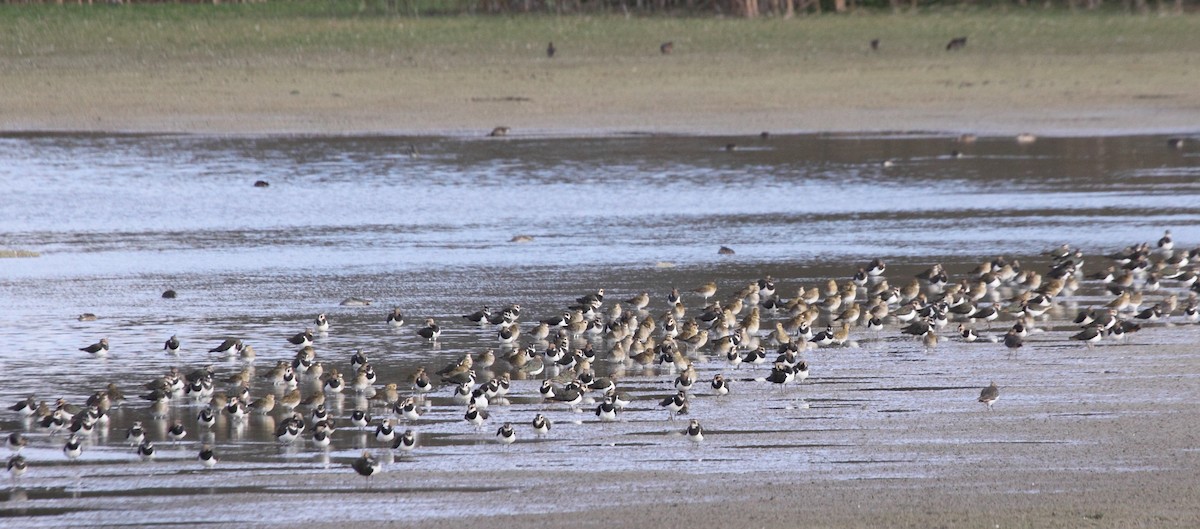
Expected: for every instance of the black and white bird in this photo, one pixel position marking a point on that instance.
(694, 431)
(431, 331)
(606, 411)
(230, 346)
(385, 433)
(395, 318)
(172, 345)
(1090, 335)
(206, 418)
(719, 385)
(302, 339)
(541, 425)
(73, 448)
(479, 316)
(676, 404)
(207, 457)
(475, 416)
(17, 466)
(990, 395)
(177, 432)
(145, 450)
(360, 418)
(405, 442)
(26, 407)
(99, 348)
(365, 465)
(16, 441)
(322, 323)
(507, 434)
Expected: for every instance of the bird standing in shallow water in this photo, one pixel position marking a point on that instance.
(507, 434)
(989, 395)
(694, 431)
(172, 345)
(430, 331)
(99, 348)
(366, 466)
(17, 466)
(207, 457)
(541, 425)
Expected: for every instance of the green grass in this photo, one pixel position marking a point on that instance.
(300, 30)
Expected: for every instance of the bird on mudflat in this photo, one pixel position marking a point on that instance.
(405, 442)
(17, 466)
(172, 345)
(541, 425)
(395, 318)
(207, 457)
(229, 346)
(430, 331)
(99, 348)
(366, 466)
(990, 395)
(694, 431)
(145, 450)
(507, 434)
(677, 404)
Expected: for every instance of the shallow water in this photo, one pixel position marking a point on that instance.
(120, 219)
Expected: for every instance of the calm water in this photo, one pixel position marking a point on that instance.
(120, 219)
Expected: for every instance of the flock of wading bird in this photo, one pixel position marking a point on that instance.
(1145, 283)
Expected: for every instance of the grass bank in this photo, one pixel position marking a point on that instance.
(310, 67)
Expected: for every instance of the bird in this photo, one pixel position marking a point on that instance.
(145, 450)
(302, 339)
(430, 331)
(875, 44)
(16, 441)
(99, 348)
(719, 385)
(694, 431)
(177, 432)
(172, 345)
(666, 48)
(677, 404)
(550, 50)
(541, 425)
(73, 448)
(956, 43)
(395, 318)
(781, 374)
(507, 434)
(322, 323)
(407, 408)
(1089, 335)
(706, 290)
(989, 395)
(405, 442)
(26, 407)
(606, 411)
(207, 457)
(479, 316)
(228, 347)
(475, 416)
(17, 466)
(206, 417)
(1012, 340)
(366, 466)
(385, 433)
